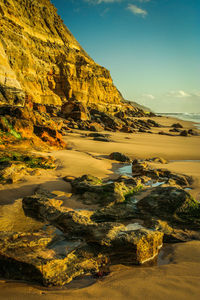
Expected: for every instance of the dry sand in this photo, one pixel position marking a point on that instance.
(180, 278)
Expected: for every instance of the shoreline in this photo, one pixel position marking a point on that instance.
(87, 156)
(180, 117)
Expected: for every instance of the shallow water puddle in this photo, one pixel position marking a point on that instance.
(152, 183)
(125, 170)
(134, 226)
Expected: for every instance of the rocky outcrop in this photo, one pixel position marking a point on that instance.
(15, 165)
(30, 125)
(119, 157)
(91, 190)
(46, 257)
(143, 170)
(173, 211)
(110, 238)
(117, 227)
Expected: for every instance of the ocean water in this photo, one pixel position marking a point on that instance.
(193, 117)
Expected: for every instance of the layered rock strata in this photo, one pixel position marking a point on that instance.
(41, 59)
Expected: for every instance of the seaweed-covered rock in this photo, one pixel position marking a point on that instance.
(109, 237)
(172, 204)
(93, 191)
(12, 172)
(46, 257)
(141, 169)
(14, 165)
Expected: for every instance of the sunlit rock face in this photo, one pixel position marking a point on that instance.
(39, 58)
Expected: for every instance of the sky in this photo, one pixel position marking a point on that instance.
(151, 47)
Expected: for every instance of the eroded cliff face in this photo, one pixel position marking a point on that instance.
(41, 60)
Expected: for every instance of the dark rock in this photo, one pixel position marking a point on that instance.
(175, 130)
(175, 206)
(96, 134)
(127, 129)
(164, 133)
(101, 139)
(160, 160)
(46, 257)
(141, 169)
(184, 133)
(93, 191)
(112, 239)
(153, 123)
(192, 132)
(142, 130)
(177, 125)
(119, 157)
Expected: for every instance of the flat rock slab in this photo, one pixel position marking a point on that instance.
(45, 257)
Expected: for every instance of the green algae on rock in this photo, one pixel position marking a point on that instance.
(93, 191)
(14, 165)
(109, 237)
(173, 211)
(46, 257)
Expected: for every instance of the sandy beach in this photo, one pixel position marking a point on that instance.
(179, 277)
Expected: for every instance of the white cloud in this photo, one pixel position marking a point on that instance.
(96, 2)
(137, 10)
(149, 96)
(133, 8)
(142, 1)
(179, 94)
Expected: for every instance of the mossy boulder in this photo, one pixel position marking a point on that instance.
(171, 204)
(119, 157)
(141, 169)
(46, 257)
(6, 126)
(91, 190)
(14, 165)
(110, 238)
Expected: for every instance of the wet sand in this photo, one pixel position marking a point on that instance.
(180, 278)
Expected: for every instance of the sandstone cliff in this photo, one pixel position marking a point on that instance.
(41, 60)
(49, 84)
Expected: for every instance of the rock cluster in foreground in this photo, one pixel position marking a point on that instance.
(121, 229)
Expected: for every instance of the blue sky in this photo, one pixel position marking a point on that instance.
(151, 47)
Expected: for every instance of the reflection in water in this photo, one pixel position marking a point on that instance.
(134, 226)
(152, 183)
(125, 170)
